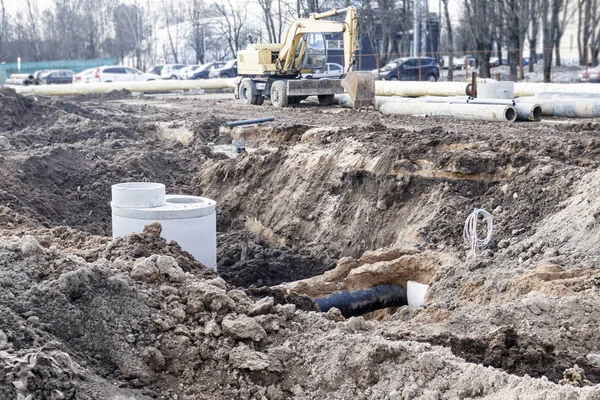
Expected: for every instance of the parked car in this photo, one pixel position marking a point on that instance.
(445, 60)
(494, 62)
(460, 62)
(229, 70)
(188, 71)
(117, 73)
(331, 70)
(407, 69)
(592, 75)
(155, 69)
(525, 61)
(38, 74)
(171, 71)
(205, 69)
(84, 76)
(57, 76)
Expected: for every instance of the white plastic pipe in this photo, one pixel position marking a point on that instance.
(415, 293)
(106, 87)
(476, 112)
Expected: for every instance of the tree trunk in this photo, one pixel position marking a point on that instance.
(557, 54)
(450, 42)
(548, 30)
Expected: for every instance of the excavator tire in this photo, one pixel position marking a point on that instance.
(326, 99)
(279, 96)
(246, 94)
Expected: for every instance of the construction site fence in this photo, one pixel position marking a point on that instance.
(30, 67)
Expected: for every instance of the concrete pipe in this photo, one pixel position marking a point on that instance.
(505, 102)
(445, 99)
(547, 105)
(418, 89)
(524, 89)
(18, 82)
(558, 96)
(22, 76)
(528, 111)
(106, 87)
(475, 112)
(345, 101)
(579, 108)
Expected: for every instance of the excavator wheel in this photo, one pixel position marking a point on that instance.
(246, 94)
(279, 96)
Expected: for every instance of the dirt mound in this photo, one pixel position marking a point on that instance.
(19, 111)
(112, 95)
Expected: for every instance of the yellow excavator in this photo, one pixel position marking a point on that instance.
(275, 70)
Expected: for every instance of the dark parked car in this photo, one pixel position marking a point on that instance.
(156, 70)
(57, 76)
(407, 69)
(229, 70)
(205, 69)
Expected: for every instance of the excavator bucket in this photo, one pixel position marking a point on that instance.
(360, 86)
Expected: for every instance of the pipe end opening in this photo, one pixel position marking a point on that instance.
(536, 112)
(510, 114)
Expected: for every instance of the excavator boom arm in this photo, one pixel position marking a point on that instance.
(316, 24)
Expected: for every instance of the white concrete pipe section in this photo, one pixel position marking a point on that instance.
(524, 89)
(569, 108)
(490, 89)
(521, 89)
(415, 293)
(418, 89)
(528, 111)
(476, 112)
(188, 220)
(106, 87)
(345, 101)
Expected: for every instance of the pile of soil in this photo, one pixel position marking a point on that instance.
(87, 316)
(20, 111)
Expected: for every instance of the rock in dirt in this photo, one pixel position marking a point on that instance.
(243, 327)
(243, 357)
(145, 270)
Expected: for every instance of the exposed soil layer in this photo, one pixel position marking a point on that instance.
(344, 198)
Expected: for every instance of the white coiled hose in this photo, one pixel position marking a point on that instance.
(470, 230)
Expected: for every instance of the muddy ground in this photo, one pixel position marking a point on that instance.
(363, 198)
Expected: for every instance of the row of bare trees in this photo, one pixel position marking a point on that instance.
(139, 31)
(487, 26)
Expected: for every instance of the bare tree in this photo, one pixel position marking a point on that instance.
(267, 17)
(450, 41)
(35, 38)
(129, 31)
(532, 34)
(2, 28)
(232, 20)
(563, 16)
(196, 37)
(516, 17)
(481, 19)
